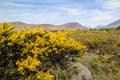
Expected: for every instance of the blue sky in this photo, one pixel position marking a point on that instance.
(86, 12)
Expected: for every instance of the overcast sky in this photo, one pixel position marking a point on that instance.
(86, 12)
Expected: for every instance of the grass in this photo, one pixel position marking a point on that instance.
(103, 52)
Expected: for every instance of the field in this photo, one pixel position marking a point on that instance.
(44, 55)
(103, 52)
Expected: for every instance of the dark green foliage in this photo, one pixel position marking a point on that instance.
(118, 28)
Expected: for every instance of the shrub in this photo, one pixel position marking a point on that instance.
(33, 54)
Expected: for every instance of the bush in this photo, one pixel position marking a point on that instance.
(34, 54)
(118, 28)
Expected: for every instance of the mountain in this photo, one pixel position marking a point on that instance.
(72, 25)
(19, 25)
(99, 27)
(66, 26)
(111, 25)
(114, 24)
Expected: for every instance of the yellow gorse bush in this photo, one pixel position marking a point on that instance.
(29, 63)
(34, 52)
(44, 76)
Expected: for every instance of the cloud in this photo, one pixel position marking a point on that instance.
(98, 17)
(109, 4)
(8, 4)
(112, 4)
(86, 12)
(73, 11)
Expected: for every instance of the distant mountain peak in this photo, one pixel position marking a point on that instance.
(18, 22)
(72, 25)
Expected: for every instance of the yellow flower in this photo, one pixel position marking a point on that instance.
(20, 69)
(29, 63)
(44, 76)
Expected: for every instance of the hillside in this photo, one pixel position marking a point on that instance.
(19, 25)
(72, 25)
(110, 25)
(114, 24)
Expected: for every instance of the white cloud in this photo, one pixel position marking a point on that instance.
(99, 15)
(13, 4)
(73, 11)
(112, 4)
(109, 4)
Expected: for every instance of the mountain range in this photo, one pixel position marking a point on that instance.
(66, 26)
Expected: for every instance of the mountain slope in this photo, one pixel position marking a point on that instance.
(72, 25)
(19, 25)
(111, 25)
(114, 24)
(99, 27)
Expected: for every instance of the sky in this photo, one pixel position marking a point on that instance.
(89, 13)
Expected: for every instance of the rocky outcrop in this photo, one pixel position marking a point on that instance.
(84, 74)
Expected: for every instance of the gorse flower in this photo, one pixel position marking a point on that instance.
(34, 52)
(44, 75)
(29, 63)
